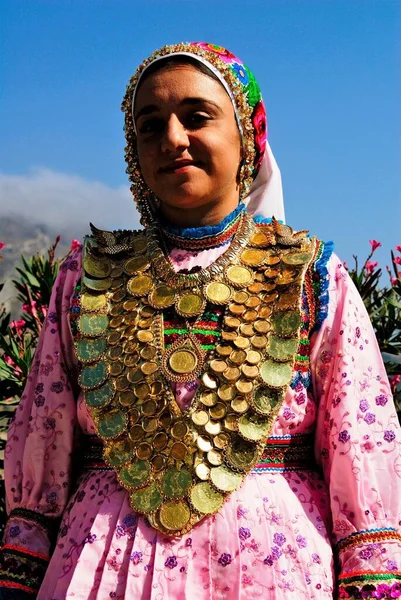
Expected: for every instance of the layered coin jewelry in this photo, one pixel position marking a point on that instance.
(179, 467)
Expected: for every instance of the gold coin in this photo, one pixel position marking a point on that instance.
(130, 318)
(136, 433)
(202, 471)
(145, 335)
(239, 405)
(116, 283)
(252, 257)
(217, 292)
(236, 309)
(218, 366)
(155, 388)
(116, 368)
(158, 462)
(221, 440)
(226, 392)
(238, 356)
(141, 390)
(272, 259)
(114, 337)
(259, 277)
(116, 309)
(244, 387)
(231, 422)
(232, 321)
(214, 457)
(259, 238)
(210, 381)
(239, 276)
(183, 361)
(91, 303)
(276, 374)
(262, 326)
(253, 427)
(240, 297)
(149, 424)
(259, 341)
(160, 440)
(256, 287)
(270, 286)
(265, 399)
(253, 357)
(116, 321)
(190, 304)
(250, 315)
(145, 323)
(140, 285)
(178, 451)
(252, 302)
(208, 398)
(174, 515)
(122, 383)
(218, 411)
(271, 273)
(115, 352)
(296, 258)
(213, 427)
(228, 336)
(286, 323)
(241, 342)
(140, 243)
(131, 304)
(97, 267)
(250, 371)
(162, 296)
(131, 360)
(127, 398)
(165, 420)
(147, 311)
(179, 430)
(241, 453)
(149, 408)
(116, 271)
(133, 414)
(247, 329)
(223, 350)
(282, 349)
(148, 352)
(134, 374)
(148, 368)
(225, 479)
(144, 451)
(200, 417)
(205, 499)
(288, 299)
(136, 264)
(204, 443)
(231, 373)
(270, 297)
(264, 312)
(118, 295)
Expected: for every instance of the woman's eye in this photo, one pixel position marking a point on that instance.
(151, 126)
(198, 119)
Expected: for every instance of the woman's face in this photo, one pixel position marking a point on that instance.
(188, 140)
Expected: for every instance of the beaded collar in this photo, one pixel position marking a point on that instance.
(202, 238)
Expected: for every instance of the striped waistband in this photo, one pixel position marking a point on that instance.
(281, 453)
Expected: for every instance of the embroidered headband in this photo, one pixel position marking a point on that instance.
(244, 92)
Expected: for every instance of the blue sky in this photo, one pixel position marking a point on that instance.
(329, 72)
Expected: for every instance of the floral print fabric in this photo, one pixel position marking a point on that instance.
(275, 537)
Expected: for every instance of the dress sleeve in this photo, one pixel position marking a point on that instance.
(38, 454)
(358, 444)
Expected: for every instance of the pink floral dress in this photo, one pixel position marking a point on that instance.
(319, 518)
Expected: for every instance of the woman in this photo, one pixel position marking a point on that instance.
(227, 410)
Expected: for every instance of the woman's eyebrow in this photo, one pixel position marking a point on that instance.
(150, 108)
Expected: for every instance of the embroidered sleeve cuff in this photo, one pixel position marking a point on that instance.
(21, 571)
(370, 564)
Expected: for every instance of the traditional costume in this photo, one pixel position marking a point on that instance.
(208, 415)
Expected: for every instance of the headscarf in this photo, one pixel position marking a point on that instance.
(260, 178)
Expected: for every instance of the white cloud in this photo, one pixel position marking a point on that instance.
(66, 202)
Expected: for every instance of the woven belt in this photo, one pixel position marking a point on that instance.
(282, 453)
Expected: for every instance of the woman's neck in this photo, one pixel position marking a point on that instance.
(205, 215)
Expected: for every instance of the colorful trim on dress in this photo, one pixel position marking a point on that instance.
(93, 454)
(202, 238)
(75, 309)
(369, 584)
(49, 524)
(321, 282)
(21, 569)
(287, 453)
(369, 536)
(207, 330)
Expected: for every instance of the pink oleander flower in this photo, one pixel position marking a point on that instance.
(398, 248)
(9, 361)
(58, 238)
(375, 244)
(397, 260)
(29, 308)
(370, 266)
(75, 245)
(2, 244)
(18, 325)
(395, 380)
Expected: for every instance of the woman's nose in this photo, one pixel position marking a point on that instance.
(175, 136)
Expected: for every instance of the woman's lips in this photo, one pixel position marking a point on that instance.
(178, 167)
